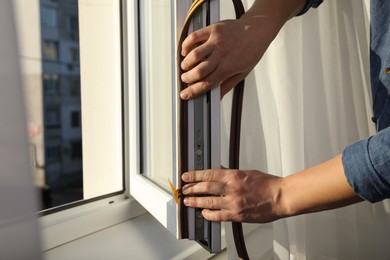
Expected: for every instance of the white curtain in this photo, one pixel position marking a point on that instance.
(306, 100)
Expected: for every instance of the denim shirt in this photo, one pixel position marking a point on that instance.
(367, 162)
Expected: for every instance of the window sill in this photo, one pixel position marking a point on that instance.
(142, 237)
(119, 228)
(68, 225)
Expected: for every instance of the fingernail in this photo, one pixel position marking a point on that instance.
(186, 201)
(184, 96)
(184, 189)
(185, 177)
(183, 66)
(183, 78)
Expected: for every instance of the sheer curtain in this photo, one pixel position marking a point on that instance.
(306, 100)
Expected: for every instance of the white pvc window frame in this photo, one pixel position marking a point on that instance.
(153, 198)
(159, 202)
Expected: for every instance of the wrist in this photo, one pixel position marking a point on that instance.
(262, 19)
(280, 208)
(282, 205)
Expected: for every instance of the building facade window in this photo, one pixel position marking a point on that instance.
(53, 151)
(74, 55)
(76, 150)
(73, 23)
(49, 16)
(52, 118)
(74, 86)
(51, 84)
(50, 50)
(75, 119)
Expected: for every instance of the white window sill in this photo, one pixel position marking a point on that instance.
(140, 238)
(119, 228)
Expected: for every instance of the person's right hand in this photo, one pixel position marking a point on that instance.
(234, 195)
(228, 51)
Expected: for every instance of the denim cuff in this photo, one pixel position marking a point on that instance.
(367, 166)
(309, 4)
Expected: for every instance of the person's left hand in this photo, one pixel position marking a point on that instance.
(224, 53)
(234, 195)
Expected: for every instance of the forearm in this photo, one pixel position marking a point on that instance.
(280, 10)
(319, 188)
(265, 18)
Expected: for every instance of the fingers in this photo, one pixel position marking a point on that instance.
(214, 188)
(197, 55)
(194, 38)
(201, 71)
(195, 90)
(214, 210)
(205, 202)
(219, 202)
(201, 64)
(218, 215)
(201, 86)
(204, 176)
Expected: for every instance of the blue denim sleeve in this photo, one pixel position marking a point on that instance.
(309, 4)
(367, 166)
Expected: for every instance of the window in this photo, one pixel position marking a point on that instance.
(51, 84)
(87, 162)
(76, 153)
(75, 119)
(155, 77)
(53, 150)
(74, 86)
(49, 16)
(156, 94)
(73, 23)
(110, 141)
(52, 118)
(74, 55)
(65, 159)
(153, 160)
(50, 50)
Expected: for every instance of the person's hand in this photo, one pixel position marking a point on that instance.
(228, 51)
(234, 195)
(253, 196)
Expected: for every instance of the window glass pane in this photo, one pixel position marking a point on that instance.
(53, 151)
(74, 86)
(76, 119)
(52, 119)
(76, 150)
(51, 84)
(74, 55)
(50, 52)
(49, 16)
(50, 49)
(73, 24)
(157, 85)
(50, 107)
